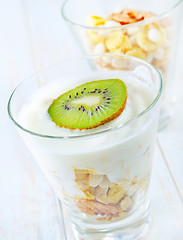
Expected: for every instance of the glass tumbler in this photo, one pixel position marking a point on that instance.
(102, 175)
(153, 36)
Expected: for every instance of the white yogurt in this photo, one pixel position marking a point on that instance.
(123, 153)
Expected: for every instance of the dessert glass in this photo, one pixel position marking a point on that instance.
(154, 39)
(101, 177)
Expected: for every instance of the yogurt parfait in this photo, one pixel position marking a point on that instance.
(93, 135)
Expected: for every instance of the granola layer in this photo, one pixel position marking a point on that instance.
(150, 42)
(105, 199)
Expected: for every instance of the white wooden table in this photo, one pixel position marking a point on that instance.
(33, 36)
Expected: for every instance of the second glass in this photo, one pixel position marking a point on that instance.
(148, 30)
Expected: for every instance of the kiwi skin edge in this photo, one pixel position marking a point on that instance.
(108, 119)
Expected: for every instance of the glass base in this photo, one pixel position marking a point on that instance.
(166, 113)
(133, 227)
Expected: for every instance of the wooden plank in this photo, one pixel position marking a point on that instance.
(166, 205)
(171, 143)
(50, 37)
(28, 207)
(171, 138)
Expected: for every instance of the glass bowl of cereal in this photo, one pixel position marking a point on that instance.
(148, 30)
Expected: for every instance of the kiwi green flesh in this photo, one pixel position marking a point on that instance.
(89, 105)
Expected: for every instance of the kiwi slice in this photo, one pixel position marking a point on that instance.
(89, 105)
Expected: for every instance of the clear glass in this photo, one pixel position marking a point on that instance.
(154, 39)
(101, 177)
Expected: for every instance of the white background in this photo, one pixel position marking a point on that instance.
(33, 36)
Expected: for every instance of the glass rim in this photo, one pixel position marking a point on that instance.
(145, 21)
(131, 121)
